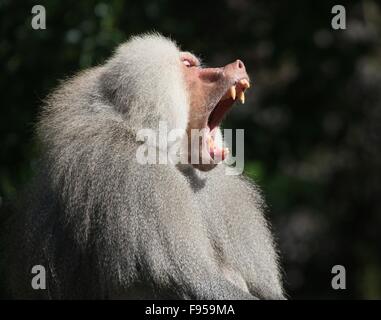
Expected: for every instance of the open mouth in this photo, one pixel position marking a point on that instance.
(235, 92)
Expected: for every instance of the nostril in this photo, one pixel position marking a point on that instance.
(240, 64)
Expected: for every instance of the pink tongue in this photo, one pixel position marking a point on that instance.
(215, 152)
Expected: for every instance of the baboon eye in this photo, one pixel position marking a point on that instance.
(188, 63)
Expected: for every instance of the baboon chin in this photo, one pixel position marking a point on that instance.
(104, 225)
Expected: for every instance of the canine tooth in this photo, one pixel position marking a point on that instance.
(242, 97)
(245, 83)
(233, 92)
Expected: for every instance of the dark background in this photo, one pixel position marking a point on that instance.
(312, 119)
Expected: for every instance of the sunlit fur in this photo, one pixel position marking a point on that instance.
(105, 226)
(144, 83)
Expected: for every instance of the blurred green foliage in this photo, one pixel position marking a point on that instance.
(312, 120)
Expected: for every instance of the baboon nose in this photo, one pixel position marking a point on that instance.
(237, 66)
(236, 71)
(240, 64)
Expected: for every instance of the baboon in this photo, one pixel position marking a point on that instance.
(105, 226)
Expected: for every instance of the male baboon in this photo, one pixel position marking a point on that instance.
(106, 226)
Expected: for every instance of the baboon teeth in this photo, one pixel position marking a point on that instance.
(241, 97)
(233, 92)
(245, 84)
